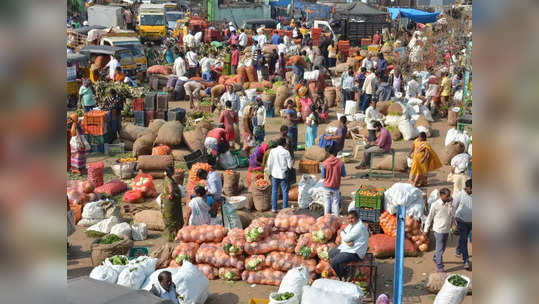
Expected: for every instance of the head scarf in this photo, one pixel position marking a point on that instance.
(262, 149)
(75, 118)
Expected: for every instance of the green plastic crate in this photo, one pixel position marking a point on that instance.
(95, 140)
(373, 202)
(135, 252)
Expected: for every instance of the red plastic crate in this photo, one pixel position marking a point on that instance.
(95, 123)
(160, 115)
(148, 116)
(138, 104)
(288, 33)
(366, 41)
(316, 33)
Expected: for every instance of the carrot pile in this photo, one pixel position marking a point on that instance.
(261, 183)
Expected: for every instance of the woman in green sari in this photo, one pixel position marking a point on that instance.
(172, 206)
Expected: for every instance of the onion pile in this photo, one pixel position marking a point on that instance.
(412, 229)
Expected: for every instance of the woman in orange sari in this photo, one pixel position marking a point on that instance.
(424, 160)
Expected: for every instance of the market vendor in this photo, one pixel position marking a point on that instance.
(215, 142)
(354, 245)
(114, 104)
(228, 118)
(214, 189)
(257, 157)
(332, 172)
(231, 96)
(339, 137)
(165, 289)
(198, 212)
(77, 152)
(172, 207)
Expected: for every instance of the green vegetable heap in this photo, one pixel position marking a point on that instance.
(231, 249)
(305, 252)
(457, 280)
(253, 234)
(319, 236)
(324, 253)
(230, 275)
(283, 296)
(252, 264)
(182, 257)
(118, 260)
(109, 239)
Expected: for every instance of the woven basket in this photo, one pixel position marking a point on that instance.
(268, 97)
(124, 170)
(309, 166)
(100, 252)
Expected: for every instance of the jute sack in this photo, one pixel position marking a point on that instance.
(128, 144)
(452, 118)
(170, 134)
(395, 133)
(261, 197)
(131, 132)
(316, 153)
(289, 76)
(231, 183)
(155, 125)
(394, 108)
(100, 252)
(340, 68)
(154, 162)
(435, 281)
(178, 154)
(194, 139)
(338, 97)
(384, 163)
(143, 145)
(422, 121)
(268, 97)
(330, 95)
(383, 107)
(281, 94)
(152, 218)
(454, 148)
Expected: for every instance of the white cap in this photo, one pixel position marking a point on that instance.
(85, 23)
(231, 24)
(398, 95)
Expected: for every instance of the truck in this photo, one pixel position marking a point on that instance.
(351, 29)
(131, 43)
(152, 22)
(104, 15)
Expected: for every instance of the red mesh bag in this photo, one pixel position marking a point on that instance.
(96, 171)
(144, 183)
(112, 188)
(133, 197)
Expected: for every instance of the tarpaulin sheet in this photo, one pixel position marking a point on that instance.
(413, 14)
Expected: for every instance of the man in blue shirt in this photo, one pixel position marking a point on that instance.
(275, 39)
(381, 64)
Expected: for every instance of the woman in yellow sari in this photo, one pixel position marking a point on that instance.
(424, 160)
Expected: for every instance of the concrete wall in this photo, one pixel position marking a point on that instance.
(243, 13)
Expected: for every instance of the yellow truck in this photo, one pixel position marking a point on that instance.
(131, 43)
(152, 22)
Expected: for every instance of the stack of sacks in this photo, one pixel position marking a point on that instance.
(155, 165)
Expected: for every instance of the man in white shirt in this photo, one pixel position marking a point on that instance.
(371, 115)
(192, 62)
(367, 63)
(281, 48)
(262, 39)
(369, 87)
(260, 121)
(279, 161)
(198, 39)
(462, 207)
(243, 39)
(354, 245)
(165, 288)
(413, 88)
(189, 40)
(440, 217)
(112, 65)
(232, 96)
(179, 65)
(347, 85)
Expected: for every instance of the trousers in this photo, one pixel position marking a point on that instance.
(441, 242)
(339, 261)
(464, 232)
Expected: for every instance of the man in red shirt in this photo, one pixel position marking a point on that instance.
(235, 59)
(215, 142)
(376, 38)
(381, 145)
(332, 171)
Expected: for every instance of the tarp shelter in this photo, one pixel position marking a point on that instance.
(84, 290)
(415, 15)
(358, 10)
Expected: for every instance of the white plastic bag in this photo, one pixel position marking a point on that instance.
(293, 300)
(93, 210)
(88, 222)
(394, 120)
(118, 268)
(122, 230)
(450, 136)
(104, 226)
(451, 294)
(306, 182)
(227, 161)
(407, 129)
(423, 129)
(231, 218)
(139, 232)
(191, 284)
(104, 273)
(146, 263)
(132, 277)
(350, 108)
(407, 195)
(152, 278)
(312, 295)
(293, 281)
(345, 288)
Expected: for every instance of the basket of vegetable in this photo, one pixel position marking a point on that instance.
(108, 246)
(124, 169)
(283, 298)
(454, 290)
(268, 96)
(206, 105)
(369, 197)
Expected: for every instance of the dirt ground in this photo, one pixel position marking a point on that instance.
(416, 269)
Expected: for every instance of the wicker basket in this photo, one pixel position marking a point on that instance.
(269, 98)
(102, 251)
(124, 170)
(309, 166)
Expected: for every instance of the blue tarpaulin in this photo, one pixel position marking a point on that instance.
(413, 14)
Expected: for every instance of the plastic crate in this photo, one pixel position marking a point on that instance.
(96, 143)
(369, 215)
(148, 116)
(258, 301)
(135, 252)
(160, 115)
(112, 149)
(162, 101)
(139, 117)
(309, 166)
(372, 202)
(97, 148)
(366, 41)
(149, 102)
(95, 122)
(138, 104)
(196, 157)
(176, 114)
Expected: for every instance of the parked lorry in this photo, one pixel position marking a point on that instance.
(152, 22)
(105, 15)
(350, 29)
(131, 43)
